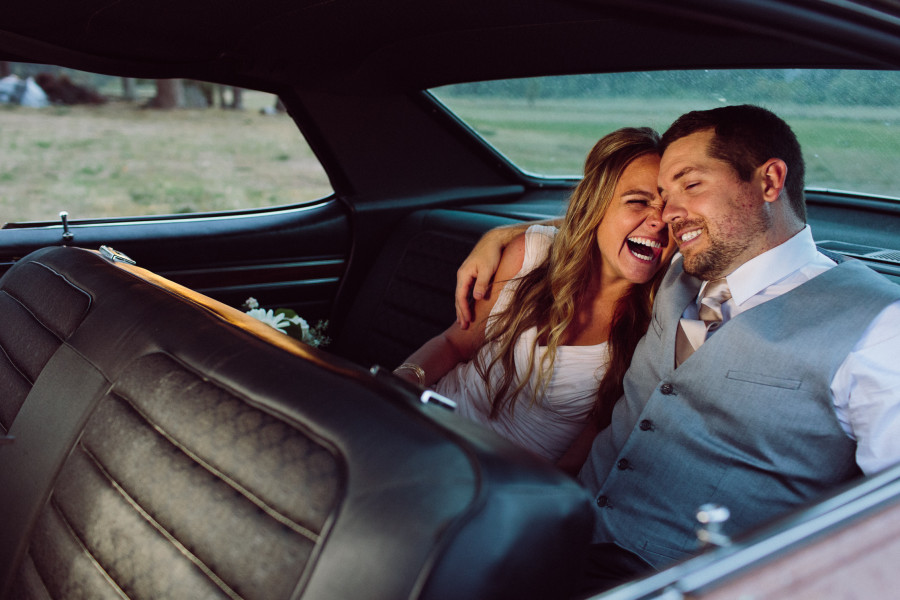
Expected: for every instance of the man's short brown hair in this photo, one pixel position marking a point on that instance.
(746, 136)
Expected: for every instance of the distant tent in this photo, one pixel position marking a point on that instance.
(25, 92)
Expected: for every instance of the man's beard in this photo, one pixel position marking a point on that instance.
(719, 258)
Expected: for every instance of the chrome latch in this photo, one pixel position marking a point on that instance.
(432, 397)
(712, 517)
(115, 256)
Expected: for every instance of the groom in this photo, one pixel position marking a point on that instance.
(796, 391)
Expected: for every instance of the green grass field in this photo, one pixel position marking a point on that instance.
(120, 160)
(856, 150)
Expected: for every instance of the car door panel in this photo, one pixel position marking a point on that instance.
(292, 257)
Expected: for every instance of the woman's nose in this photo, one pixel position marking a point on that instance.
(655, 218)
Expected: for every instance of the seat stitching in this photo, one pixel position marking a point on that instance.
(33, 316)
(75, 287)
(249, 495)
(44, 587)
(218, 581)
(15, 366)
(85, 550)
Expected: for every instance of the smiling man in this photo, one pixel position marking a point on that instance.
(768, 375)
(730, 195)
(794, 394)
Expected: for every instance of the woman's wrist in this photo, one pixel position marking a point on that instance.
(413, 368)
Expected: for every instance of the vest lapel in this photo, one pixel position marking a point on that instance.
(681, 291)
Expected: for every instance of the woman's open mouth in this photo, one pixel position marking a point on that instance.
(644, 248)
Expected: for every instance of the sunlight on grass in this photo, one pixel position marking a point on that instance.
(845, 148)
(121, 160)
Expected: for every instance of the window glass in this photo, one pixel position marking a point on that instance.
(94, 146)
(848, 122)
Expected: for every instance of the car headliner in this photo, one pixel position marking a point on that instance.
(411, 44)
(350, 71)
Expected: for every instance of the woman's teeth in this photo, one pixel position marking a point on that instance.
(643, 248)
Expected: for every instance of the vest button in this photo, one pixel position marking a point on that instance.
(667, 389)
(623, 464)
(603, 502)
(646, 425)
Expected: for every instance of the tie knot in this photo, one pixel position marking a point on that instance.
(715, 294)
(717, 290)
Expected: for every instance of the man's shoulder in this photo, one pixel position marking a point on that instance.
(850, 286)
(857, 272)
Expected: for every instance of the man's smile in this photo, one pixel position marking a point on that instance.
(683, 238)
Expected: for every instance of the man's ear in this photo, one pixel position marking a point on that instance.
(773, 173)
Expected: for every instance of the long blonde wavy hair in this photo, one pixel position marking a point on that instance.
(547, 297)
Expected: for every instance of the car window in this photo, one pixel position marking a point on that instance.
(97, 146)
(848, 122)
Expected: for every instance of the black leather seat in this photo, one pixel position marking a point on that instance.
(407, 296)
(162, 445)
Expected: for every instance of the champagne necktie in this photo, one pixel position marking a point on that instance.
(692, 333)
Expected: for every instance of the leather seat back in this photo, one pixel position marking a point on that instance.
(171, 446)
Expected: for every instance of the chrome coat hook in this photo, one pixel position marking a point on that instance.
(67, 235)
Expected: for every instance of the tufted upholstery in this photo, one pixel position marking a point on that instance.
(166, 446)
(407, 297)
(32, 330)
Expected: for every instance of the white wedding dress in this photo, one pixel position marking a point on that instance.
(549, 426)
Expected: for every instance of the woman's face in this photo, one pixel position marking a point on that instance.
(632, 236)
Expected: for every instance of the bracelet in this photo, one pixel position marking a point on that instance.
(419, 371)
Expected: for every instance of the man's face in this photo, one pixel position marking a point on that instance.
(719, 222)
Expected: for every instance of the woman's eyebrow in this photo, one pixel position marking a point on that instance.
(637, 192)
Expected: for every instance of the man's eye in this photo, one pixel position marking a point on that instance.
(691, 185)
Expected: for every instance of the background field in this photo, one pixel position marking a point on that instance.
(856, 149)
(121, 160)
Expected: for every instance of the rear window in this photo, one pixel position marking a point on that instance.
(96, 146)
(848, 122)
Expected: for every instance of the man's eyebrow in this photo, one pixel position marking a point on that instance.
(680, 174)
(683, 172)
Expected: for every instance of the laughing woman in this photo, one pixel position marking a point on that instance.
(550, 342)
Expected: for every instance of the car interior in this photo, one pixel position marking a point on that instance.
(157, 442)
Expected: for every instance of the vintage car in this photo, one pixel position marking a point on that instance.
(158, 442)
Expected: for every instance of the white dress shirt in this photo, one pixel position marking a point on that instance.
(866, 387)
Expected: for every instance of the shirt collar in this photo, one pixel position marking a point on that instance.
(771, 266)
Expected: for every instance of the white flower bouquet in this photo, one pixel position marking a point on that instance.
(289, 323)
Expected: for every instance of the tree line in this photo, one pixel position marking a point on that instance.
(802, 86)
(169, 93)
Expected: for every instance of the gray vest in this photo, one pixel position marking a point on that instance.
(747, 421)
